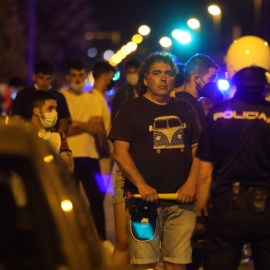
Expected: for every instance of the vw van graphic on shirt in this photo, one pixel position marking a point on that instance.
(168, 132)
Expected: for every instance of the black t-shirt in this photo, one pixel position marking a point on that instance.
(160, 138)
(236, 139)
(22, 104)
(194, 102)
(124, 94)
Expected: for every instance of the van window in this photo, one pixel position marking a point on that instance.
(174, 123)
(161, 124)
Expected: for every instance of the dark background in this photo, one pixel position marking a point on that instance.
(59, 28)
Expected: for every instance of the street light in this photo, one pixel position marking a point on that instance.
(193, 23)
(183, 37)
(215, 11)
(165, 42)
(144, 30)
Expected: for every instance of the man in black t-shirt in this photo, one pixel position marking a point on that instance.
(234, 162)
(43, 75)
(155, 137)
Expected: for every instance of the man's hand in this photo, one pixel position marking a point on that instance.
(148, 193)
(96, 124)
(186, 193)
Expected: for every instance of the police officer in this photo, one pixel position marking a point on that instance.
(234, 163)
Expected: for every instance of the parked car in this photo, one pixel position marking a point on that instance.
(43, 222)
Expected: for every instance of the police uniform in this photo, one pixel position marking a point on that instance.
(236, 140)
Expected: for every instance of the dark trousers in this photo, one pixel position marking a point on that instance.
(197, 259)
(87, 170)
(230, 227)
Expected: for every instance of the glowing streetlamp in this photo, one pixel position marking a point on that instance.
(193, 23)
(183, 37)
(215, 11)
(165, 42)
(144, 30)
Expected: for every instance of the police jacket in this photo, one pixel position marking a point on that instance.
(236, 139)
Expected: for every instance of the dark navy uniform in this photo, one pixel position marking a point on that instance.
(236, 140)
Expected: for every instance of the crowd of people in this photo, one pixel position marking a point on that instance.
(191, 171)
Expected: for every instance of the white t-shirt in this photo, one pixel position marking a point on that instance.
(82, 107)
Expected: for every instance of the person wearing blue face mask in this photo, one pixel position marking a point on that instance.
(200, 81)
(44, 117)
(200, 85)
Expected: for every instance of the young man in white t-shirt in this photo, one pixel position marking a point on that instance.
(87, 140)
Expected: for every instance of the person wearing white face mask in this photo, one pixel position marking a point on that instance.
(44, 117)
(130, 90)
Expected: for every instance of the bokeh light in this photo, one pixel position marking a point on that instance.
(144, 30)
(223, 85)
(116, 76)
(132, 46)
(92, 52)
(165, 42)
(108, 54)
(214, 10)
(193, 23)
(183, 37)
(137, 38)
(66, 205)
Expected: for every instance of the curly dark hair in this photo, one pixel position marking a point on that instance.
(153, 58)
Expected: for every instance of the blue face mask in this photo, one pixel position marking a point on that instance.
(209, 90)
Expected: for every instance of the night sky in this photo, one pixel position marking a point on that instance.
(60, 27)
(164, 16)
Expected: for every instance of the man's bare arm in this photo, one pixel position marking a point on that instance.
(129, 169)
(63, 124)
(69, 161)
(205, 170)
(94, 126)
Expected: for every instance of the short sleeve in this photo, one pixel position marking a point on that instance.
(122, 125)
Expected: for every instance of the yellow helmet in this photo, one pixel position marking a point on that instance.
(247, 51)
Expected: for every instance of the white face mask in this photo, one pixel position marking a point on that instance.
(77, 87)
(49, 119)
(132, 78)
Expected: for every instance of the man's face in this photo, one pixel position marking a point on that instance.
(160, 80)
(50, 106)
(132, 75)
(110, 76)
(210, 76)
(76, 76)
(43, 81)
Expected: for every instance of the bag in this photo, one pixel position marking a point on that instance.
(143, 220)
